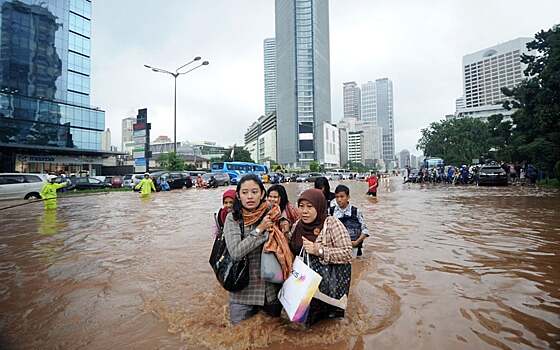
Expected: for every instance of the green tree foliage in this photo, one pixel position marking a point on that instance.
(532, 136)
(240, 155)
(456, 141)
(314, 166)
(172, 162)
(358, 167)
(536, 135)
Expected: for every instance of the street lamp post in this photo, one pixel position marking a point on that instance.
(175, 76)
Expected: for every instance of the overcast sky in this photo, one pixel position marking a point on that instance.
(417, 44)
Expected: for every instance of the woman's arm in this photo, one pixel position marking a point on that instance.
(340, 252)
(238, 247)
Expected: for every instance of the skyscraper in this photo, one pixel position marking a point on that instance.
(486, 72)
(45, 69)
(352, 100)
(384, 101)
(269, 46)
(303, 79)
(127, 144)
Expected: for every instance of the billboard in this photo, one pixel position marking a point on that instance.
(141, 138)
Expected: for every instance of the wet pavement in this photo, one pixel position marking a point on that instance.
(445, 268)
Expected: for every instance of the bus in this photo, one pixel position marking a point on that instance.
(236, 170)
(430, 163)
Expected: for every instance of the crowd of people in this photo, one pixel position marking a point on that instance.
(465, 175)
(255, 221)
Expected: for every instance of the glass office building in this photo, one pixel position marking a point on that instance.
(46, 122)
(303, 79)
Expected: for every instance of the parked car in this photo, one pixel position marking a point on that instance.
(360, 177)
(492, 175)
(276, 178)
(313, 176)
(302, 177)
(132, 180)
(222, 179)
(116, 182)
(292, 177)
(88, 183)
(175, 179)
(21, 185)
(334, 176)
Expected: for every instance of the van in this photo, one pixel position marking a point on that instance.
(21, 185)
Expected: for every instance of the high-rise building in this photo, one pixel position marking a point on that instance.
(355, 144)
(303, 79)
(377, 109)
(413, 161)
(45, 69)
(384, 101)
(106, 140)
(404, 158)
(260, 138)
(352, 100)
(269, 46)
(486, 72)
(127, 143)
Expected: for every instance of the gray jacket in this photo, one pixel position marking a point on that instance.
(251, 245)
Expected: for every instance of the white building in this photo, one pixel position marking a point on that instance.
(127, 143)
(355, 143)
(331, 146)
(269, 47)
(260, 139)
(486, 72)
(106, 140)
(352, 100)
(372, 138)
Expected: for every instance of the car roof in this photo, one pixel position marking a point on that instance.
(41, 175)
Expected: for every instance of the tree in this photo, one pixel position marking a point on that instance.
(536, 135)
(357, 167)
(314, 166)
(172, 162)
(239, 155)
(456, 141)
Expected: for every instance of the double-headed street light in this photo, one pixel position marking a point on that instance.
(175, 75)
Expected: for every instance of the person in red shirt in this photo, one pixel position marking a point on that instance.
(372, 183)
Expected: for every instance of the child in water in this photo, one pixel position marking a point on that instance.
(220, 217)
(351, 217)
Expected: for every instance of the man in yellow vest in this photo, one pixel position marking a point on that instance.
(48, 192)
(146, 186)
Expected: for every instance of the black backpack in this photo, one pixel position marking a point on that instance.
(232, 275)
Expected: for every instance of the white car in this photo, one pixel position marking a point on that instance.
(132, 180)
(21, 185)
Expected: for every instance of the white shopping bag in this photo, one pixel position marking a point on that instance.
(298, 290)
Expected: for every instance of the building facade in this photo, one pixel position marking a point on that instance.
(46, 122)
(269, 47)
(355, 144)
(127, 144)
(384, 96)
(404, 158)
(260, 139)
(352, 100)
(331, 146)
(486, 72)
(106, 140)
(303, 79)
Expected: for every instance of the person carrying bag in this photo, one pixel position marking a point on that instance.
(277, 258)
(328, 244)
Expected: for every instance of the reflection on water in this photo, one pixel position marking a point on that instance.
(446, 267)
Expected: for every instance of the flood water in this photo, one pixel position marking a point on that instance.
(445, 268)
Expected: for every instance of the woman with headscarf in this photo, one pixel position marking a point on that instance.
(322, 236)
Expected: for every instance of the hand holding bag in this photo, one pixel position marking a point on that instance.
(298, 290)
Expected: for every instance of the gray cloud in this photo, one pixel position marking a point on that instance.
(419, 45)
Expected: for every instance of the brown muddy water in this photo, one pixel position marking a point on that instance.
(445, 268)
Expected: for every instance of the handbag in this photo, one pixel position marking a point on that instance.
(271, 271)
(335, 282)
(298, 290)
(232, 275)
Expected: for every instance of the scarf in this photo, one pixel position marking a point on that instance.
(278, 243)
(251, 217)
(310, 231)
(222, 214)
(292, 213)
